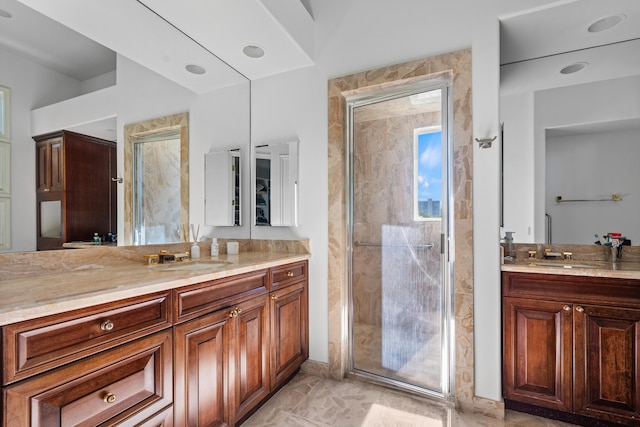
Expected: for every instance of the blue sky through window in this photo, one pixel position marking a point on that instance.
(430, 166)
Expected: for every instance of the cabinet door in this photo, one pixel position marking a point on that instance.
(56, 165)
(289, 331)
(537, 352)
(607, 381)
(201, 360)
(251, 356)
(49, 165)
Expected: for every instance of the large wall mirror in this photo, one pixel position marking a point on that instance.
(217, 102)
(571, 123)
(275, 167)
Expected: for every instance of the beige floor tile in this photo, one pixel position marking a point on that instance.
(311, 401)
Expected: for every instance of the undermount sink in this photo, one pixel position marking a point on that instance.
(562, 265)
(190, 265)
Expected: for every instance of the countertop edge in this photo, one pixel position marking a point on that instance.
(150, 282)
(610, 271)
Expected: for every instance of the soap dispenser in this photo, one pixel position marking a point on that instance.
(509, 251)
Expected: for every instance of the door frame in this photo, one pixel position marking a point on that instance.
(352, 102)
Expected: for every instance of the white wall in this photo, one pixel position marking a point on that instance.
(527, 116)
(32, 86)
(593, 166)
(288, 106)
(486, 207)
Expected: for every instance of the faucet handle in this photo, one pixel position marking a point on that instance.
(567, 255)
(532, 254)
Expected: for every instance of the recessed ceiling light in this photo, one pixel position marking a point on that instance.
(606, 23)
(195, 69)
(5, 14)
(574, 68)
(253, 51)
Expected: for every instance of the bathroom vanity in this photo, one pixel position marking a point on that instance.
(570, 342)
(183, 347)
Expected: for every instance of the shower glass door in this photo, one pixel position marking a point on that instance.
(400, 294)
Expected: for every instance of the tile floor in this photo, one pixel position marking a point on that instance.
(309, 400)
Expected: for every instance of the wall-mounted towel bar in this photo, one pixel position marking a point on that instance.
(425, 246)
(613, 198)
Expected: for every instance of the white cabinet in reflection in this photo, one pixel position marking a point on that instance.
(223, 188)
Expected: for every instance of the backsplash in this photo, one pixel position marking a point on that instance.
(21, 264)
(579, 252)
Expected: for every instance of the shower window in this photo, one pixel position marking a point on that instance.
(427, 189)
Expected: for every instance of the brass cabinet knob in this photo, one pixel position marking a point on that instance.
(233, 313)
(274, 297)
(567, 308)
(109, 398)
(46, 190)
(289, 273)
(107, 325)
(238, 310)
(580, 309)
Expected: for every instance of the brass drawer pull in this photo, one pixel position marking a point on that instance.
(46, 190)
(580, 309)
(107, 325)
(109, 398)
(235, 312)
(274, 297)
(567, 308)
(289, 273)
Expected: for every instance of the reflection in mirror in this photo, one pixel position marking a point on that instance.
(156, 172)
(572, 136)
(223, 188)
(276, 184)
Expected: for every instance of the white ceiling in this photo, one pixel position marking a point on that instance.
(535, 46)
(339, 36)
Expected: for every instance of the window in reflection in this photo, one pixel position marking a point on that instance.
(156, 194)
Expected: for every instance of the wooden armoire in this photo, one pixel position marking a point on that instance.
(75, 194)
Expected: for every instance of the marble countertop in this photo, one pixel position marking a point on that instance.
(37, 295)
(623, 270)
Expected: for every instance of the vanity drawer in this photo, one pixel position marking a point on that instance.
(206, 297)
(34, 346)
(123, 386)
(288, 274)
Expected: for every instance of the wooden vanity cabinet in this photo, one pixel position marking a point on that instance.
(74, 191)
(221, 366)
(571, 344)
(207, 354)
(231, 359)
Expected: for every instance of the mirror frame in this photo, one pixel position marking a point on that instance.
(134, 131)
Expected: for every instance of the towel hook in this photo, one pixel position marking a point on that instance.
(485, 142)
